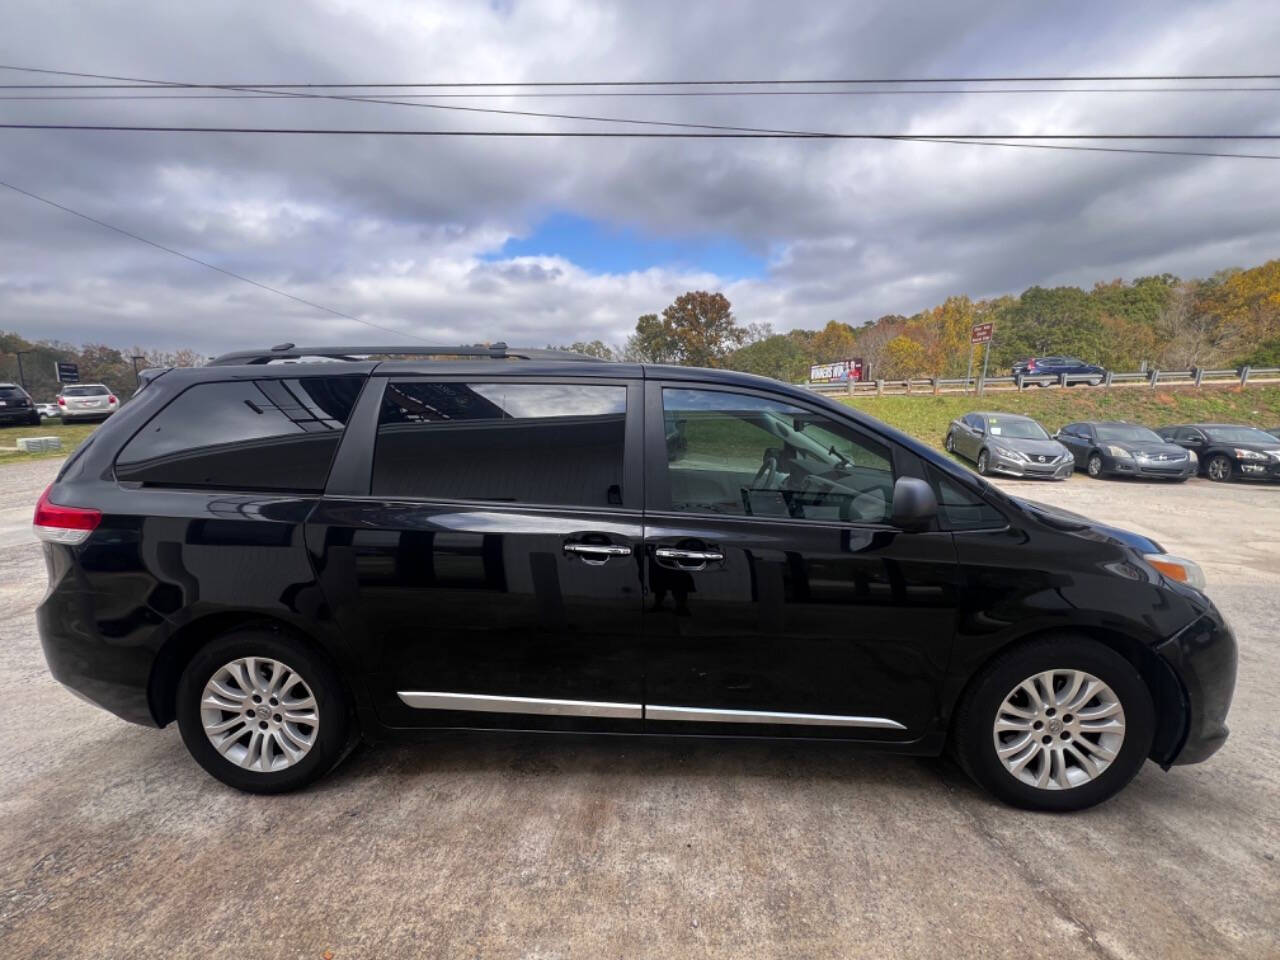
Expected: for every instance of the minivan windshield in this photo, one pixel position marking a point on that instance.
(1017, 429)
(85, 390)
(1239, 435)
(1130, 432)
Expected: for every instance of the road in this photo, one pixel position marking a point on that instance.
(113, 843)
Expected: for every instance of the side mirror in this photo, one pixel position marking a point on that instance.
(914, 504)
(980, 431)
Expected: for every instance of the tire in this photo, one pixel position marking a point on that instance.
(329, 734)
(34, 420)
(1069, 785)
(983, 459)
(1093, 466)
(1219, 468)
(949, 443)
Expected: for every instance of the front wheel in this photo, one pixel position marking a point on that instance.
(262, 712)
(1219, 468)
(1094, 466)
(1056, 724)
(983, 463)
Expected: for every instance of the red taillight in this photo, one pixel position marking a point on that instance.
(62, 401)
(111, 399)
(58, 524)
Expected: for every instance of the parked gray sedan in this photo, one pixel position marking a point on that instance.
(1010, 444)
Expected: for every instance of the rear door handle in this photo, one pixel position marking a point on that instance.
(597, 553)
(688, 559)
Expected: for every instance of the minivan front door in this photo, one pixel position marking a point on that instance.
(480, 544)
(781, 600)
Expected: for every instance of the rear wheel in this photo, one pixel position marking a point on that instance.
(1219, 468)
(949, 443)
(1056, 724)
(262, 711)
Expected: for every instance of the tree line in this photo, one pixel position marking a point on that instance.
(98, 363)
(1229, 319)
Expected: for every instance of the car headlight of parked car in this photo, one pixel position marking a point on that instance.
(1120, 453)
(1178, 568)
(1249, 454)
(1008, 453)
(1192, 455)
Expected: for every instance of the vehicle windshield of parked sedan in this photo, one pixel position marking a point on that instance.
(1017, 429)
(1239, 435)
(1128, 432)
(86, 391)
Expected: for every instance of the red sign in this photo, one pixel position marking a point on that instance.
(981, 332)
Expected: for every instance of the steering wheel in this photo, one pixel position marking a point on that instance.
(767, 475)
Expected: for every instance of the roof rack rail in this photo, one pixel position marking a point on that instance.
(494, 351)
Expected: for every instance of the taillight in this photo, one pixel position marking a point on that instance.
(110, 399)
(58, 524)
(62, 401)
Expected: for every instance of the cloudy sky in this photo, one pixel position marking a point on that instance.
(541, 240)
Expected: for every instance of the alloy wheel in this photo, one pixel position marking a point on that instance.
(1095, 466)
(949, 443)
(982, 462)
(1219, 469)
(1059, 729)
(260, 714)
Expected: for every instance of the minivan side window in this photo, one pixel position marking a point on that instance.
(557, 444)
(244, 435)
(739, 454)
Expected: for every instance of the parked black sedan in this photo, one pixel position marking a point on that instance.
(1104, 448)
(1228, 451)
(1010, 444)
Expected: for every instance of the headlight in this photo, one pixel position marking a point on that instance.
(1249, 454)
(1120, 453)
(1008, 454)
(1192, 455)
(1178, 568)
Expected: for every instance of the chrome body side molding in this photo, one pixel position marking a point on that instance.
(711, 715)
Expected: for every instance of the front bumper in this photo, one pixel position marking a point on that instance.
(1154, 469)
(1258, 469)
(1021, 468)
(1203, 656)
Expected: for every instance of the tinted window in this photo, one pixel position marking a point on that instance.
(959, 509)
(247, 435)
(730, 453)
(85, 390)
(1239, 435)
(549, 443)
(8, 393)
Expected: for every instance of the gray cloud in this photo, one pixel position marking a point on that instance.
(396, 229)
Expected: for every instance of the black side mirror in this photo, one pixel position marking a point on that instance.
(914, 504)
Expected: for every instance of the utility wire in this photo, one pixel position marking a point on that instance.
(747, 133)
(525, 95)
(204, 263)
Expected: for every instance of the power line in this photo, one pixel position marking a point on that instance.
(731, 133)
(966, 91)
(204, 263)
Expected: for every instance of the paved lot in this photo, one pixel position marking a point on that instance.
(113, 843)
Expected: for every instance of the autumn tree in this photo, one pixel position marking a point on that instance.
(903, 358)
(697, 330)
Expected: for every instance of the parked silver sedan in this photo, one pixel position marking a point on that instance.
(1010, 444)
(86, 401)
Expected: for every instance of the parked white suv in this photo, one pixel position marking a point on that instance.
(86, 401)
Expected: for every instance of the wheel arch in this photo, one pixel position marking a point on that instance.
(179, 649)
(1167, 694)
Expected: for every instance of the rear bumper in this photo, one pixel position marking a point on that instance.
(85, 414)
(1203, 656)
(18, 414)
(111, 675)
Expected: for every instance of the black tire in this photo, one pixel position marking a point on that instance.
(983, 460)
(949, 443)
(1093, 466)
(332, 733)
(1225, 469)
(34, 419)
(973, 739)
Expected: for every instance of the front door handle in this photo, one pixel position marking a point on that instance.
(597, 553)
(688, 559)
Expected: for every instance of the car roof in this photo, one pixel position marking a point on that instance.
(997, 413)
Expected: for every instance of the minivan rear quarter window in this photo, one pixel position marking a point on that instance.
(246, 435)
(537, 443)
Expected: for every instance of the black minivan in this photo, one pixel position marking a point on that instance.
(283, 556)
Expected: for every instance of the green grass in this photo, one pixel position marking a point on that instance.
(71, 435)
(926, 417)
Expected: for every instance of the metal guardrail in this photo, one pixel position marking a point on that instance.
(1195, 377)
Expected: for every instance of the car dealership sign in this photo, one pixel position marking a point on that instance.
(841, 371)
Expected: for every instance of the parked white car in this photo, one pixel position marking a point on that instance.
(86, 401)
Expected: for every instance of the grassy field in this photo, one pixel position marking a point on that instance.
(927, 417)
(71, 435)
